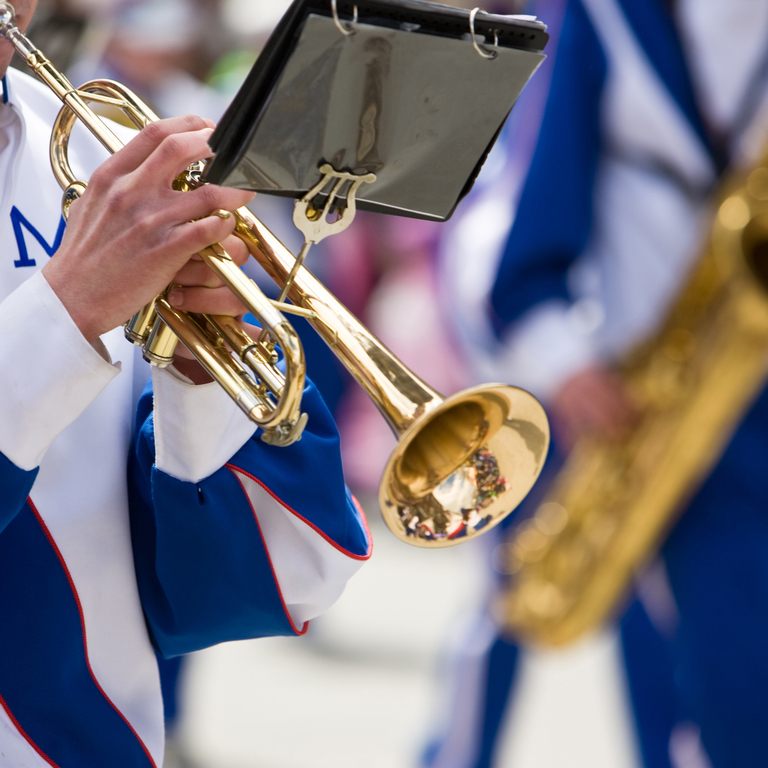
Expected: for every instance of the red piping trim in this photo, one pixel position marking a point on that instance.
(325, 536)
(304, 629)
(24, 734)
(365, 525)
(82, 624)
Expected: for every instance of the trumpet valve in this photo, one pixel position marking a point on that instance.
(160, 347)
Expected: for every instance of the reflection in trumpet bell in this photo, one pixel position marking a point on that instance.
(461, 468)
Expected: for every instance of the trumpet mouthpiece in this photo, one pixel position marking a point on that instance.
(9, 29)
(7, 18)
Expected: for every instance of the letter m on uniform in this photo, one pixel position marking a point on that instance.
(20, 223)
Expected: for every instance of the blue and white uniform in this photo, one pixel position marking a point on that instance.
(135, 508)
(649, 103)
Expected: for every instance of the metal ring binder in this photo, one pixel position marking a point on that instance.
(345, 29)
(403, 95)
(486, 54)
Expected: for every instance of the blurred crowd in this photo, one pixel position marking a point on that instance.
(179, 55)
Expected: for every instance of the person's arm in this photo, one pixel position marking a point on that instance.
(546, 338)
(193, 518)
(231, 548)
(127, 238)
(546, 333)
(50, 375)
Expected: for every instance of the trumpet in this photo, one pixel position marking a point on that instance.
(462, 463)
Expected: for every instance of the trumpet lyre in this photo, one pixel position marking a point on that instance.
(462, 463)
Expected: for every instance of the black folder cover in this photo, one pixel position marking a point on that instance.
(407, 97)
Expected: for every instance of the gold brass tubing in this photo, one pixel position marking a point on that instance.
(249, 351)
(292, 309)
(220, 365)
(72, 99)
(272, 377)
(280, 330)
(138, 328)
(241, 285)
(462, 463)
(233, 332)
(65, 121)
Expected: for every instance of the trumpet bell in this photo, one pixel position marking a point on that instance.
(459, 469)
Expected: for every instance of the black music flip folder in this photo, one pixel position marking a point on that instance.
(411, 91)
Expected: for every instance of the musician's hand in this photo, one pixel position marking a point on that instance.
(198, 289)
(131, 232)
(593, 401)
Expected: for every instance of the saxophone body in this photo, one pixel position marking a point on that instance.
(609, 508)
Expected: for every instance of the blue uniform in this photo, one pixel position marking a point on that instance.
(649, 103)
(137, 511)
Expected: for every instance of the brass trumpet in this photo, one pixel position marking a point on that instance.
(462, 463)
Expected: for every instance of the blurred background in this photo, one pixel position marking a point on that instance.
(368, 685)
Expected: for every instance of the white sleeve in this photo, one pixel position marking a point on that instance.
(198, 428)
(550, 343)
(50, 373)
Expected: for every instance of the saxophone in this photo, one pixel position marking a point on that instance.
(609, 508)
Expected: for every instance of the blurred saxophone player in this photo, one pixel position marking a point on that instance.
(651, 102)
(137, 508)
